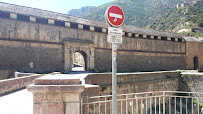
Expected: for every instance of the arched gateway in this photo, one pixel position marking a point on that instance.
(84, 47)
(34, 40)
(79, 61)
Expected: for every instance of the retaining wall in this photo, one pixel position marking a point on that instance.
(9, 85)
(191, 82)
(133, 82)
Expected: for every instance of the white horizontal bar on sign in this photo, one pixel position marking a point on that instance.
(115, 15)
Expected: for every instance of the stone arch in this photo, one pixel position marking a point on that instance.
(84, 55)
(86, 49)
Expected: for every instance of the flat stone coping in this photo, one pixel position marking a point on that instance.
(56, 88)
(193, 73)
(154, 72)
(91, 86)
(59, 79)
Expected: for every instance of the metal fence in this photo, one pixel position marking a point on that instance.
(159, 102)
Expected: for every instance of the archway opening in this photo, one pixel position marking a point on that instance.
(79, 61)
(196, 63)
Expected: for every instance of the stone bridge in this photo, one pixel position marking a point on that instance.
(34, 40)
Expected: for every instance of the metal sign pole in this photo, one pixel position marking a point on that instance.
(114, 17)
(114, 79)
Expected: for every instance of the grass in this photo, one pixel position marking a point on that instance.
(196, 102)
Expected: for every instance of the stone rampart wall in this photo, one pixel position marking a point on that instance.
(25, 43)
(6, 74)
(133, 82)
(31, 57)
(141, 45)
(194, 49)
(13, 84)
(18, 30)
(132, 61)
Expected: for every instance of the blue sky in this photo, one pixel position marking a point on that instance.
(60, 6)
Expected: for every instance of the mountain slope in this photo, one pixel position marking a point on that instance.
(188, 17)
(137, 12)
(78, 12)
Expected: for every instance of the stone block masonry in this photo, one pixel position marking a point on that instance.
(191, 82)
(144, 82)
(56, 94)
(130, 61)
(61, 93)
(13, 84)
(6, 74)
(134, 82)
(194, 50)
(31, 57)
(39, 41)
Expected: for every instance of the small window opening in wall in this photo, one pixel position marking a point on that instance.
(133, 35)
(172, 39)
(140, 35)
(59, 23)
(23, 17)
(163, 38)
(156, 37)
(4, 14)
(74, 25)
(179, 40)
(126, 33)
(98, 29)
(42, 21)
(86, 27)
(196, 63)
(79, 61)
(148, 37)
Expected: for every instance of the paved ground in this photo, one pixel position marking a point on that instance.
(21, 102)
(78, 70)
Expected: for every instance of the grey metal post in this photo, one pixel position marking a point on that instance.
(114, 79)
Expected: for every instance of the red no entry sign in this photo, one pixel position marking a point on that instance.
(114, 16)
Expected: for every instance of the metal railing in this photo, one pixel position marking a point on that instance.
(159, 102)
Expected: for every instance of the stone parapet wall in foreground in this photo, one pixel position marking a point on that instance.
(6, 74)
(133, 82)
(9, 85)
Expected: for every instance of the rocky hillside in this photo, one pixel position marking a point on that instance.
(182, 19)
(78, 12)
(187, 17)
(137, 12)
